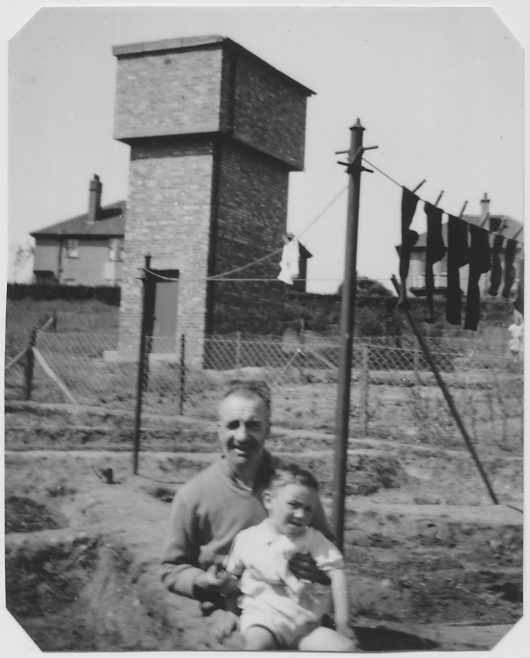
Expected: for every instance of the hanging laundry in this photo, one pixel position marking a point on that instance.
(409, 201)
(479, 263)
(435, 252)
(290, 261)
(509, 269)
(496, 267)
(457, 257)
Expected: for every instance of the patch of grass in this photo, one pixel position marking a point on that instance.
(25, 515)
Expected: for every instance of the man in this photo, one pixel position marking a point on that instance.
(210, 509)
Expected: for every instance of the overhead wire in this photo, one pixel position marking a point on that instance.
(277, 251)
(223, 275)
(242, 280)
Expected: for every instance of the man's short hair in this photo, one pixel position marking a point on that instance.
(250, 388)
(291, 474)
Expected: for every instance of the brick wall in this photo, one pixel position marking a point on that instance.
(168, 217)
(168, 94)
(214, 132)
(269, 112)
(251, 219)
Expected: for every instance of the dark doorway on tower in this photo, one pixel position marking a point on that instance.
(165, 303)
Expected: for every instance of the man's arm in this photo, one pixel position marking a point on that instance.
(180, 569)
(180, 572)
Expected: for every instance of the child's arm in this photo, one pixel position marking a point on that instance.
(341, 601)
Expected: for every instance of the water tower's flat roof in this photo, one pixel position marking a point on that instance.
(188, 43)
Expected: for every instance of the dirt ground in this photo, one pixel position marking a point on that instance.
(433, 564)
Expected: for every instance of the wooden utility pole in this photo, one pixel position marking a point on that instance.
(349, 286)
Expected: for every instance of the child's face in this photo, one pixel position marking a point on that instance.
(290, 508)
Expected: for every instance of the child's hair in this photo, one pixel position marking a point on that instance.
(250, 388)
(291, 474)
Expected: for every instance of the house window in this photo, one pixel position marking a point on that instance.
(72, 249)
(115, 249)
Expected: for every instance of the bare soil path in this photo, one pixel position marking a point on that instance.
(433, 564)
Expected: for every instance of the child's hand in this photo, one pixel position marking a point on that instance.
(305, 568)
(214, 580)
(345, 630)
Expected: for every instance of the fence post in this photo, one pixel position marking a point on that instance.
(182, 388)
(29, 365)
(143, 357)
(238, 350)
(364, 381)
(416, 360)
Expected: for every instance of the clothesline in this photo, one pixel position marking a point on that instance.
(498, 232)
(280, 249)
(312, 279)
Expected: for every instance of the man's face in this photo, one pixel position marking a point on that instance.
(290, 508)
(243, 427)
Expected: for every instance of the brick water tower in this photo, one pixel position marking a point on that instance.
(214, 132)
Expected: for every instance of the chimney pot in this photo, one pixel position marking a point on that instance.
(484, 206)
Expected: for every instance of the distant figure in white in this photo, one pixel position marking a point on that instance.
(516, 331)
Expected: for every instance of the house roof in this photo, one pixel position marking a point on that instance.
(511, 228)
(110, 222)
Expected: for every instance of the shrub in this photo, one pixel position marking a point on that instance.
(106, 294)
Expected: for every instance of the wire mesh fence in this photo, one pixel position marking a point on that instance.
(393, 395)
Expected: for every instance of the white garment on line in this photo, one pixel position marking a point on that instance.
(290, 262)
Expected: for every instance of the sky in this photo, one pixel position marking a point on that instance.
(438, 90)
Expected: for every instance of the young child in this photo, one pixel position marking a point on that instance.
(278, 611)
(516, 331)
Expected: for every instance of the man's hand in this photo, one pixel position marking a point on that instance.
(221, 624)
(304, 568)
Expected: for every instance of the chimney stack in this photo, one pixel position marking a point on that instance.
(94, 199)
(484, 206)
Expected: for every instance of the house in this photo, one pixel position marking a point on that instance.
(84, 250)
(416, 278)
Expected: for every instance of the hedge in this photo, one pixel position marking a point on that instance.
(106, 294)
